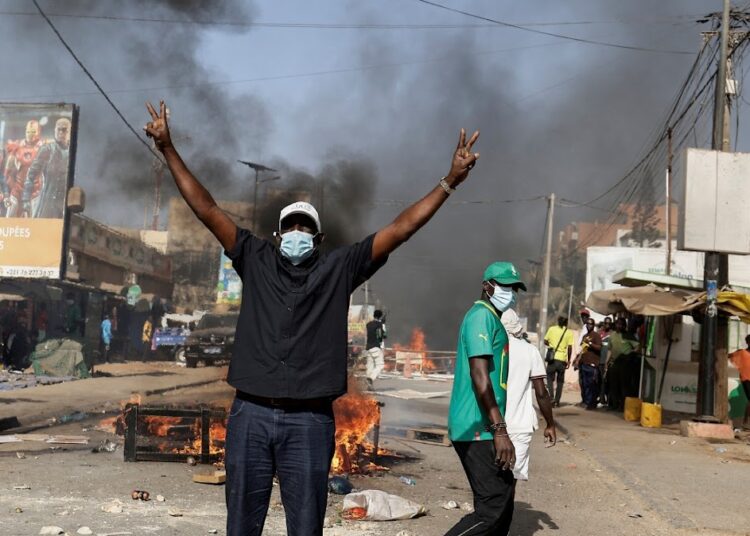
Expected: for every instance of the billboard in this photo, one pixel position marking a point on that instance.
(37, 160)
(229, 289)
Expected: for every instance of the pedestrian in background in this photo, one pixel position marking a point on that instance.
(621, 346)
(476, 424)
(375, 355)
(106, 328)
(526, 372)
(584, 315)
(587, 364)
(741, 360)
(559, 343)
(146, 334)
(42, 321)
(605, 329)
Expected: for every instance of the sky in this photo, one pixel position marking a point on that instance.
(371, 111)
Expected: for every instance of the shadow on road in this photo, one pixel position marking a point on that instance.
(15, 400)
(527, 521)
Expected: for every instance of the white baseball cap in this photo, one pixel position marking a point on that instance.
(511, 322)
(300, 207)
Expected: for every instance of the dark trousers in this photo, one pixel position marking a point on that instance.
(602, 383)
(296, 445)
(493, 489)
(590, 379)
(615, 388)
(556, 370)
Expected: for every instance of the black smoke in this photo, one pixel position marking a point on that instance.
(560, 117)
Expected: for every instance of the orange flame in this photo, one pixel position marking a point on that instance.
(417, 345)
(355, 414)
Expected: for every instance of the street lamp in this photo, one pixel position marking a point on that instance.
(258, 168)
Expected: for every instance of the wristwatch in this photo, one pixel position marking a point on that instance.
(446, 186)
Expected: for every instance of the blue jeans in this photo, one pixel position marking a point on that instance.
(294, 444)
(590, 378)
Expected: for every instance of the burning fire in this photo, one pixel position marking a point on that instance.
(356, 415)
(417, 346)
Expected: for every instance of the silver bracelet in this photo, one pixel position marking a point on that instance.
(446, 186)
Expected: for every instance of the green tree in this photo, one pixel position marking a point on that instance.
(644, 230)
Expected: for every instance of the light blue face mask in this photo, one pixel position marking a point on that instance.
(296, 246)
(503, 298)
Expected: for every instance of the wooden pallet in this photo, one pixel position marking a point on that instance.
(429, 435)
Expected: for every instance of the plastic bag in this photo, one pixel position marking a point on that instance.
(381, 506)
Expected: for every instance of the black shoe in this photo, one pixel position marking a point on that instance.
(369, 384)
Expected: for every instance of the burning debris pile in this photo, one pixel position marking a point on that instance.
(199, 434)
(417, 351)
(356, 416)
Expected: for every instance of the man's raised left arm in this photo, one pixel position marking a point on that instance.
(413, 218)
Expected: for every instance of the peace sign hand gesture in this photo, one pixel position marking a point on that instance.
(463, 159)
(158, 129)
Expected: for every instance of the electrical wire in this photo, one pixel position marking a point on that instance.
(96, 84)
(553, 34)
(647, 170)
(451, 56)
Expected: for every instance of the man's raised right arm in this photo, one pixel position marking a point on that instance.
(195, 194)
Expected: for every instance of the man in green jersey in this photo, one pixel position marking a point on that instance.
(475, 420)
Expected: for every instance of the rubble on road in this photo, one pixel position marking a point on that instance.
(214, 477)
(52, 530)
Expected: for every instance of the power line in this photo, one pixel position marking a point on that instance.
(407, 202)
(552, 34)
(298, 75)
(91, 77)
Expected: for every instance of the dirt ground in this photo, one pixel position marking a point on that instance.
(605, 476)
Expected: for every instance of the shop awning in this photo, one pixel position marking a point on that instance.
(652, 300)
(649, 300)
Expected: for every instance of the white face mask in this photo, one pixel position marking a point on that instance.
(502, 298)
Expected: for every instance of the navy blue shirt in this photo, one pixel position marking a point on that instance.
(291, 339)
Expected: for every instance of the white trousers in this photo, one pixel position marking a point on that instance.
(521, 442)
(375, 362)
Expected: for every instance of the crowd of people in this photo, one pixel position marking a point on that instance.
(606, 356)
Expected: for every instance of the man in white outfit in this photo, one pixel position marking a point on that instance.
(375, 355)
(526, 369)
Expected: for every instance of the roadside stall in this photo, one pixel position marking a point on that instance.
(671, 340)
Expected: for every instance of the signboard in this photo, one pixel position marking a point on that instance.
(36, 170)
(602, 263)
(229, 289)
(713, 214)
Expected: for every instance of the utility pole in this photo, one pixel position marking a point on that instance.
(712, 403)
(367, 300)
(157, 168)
(547, 267)
(257, 168)
(570, 302)
(668, 268)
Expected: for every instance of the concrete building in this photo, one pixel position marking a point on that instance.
(103, 257)
(196, 253)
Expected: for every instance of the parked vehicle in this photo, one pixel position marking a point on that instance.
(212, 340)
(169, 340)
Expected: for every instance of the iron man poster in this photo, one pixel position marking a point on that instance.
(36, 171)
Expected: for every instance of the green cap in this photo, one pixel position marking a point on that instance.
(504, 273)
